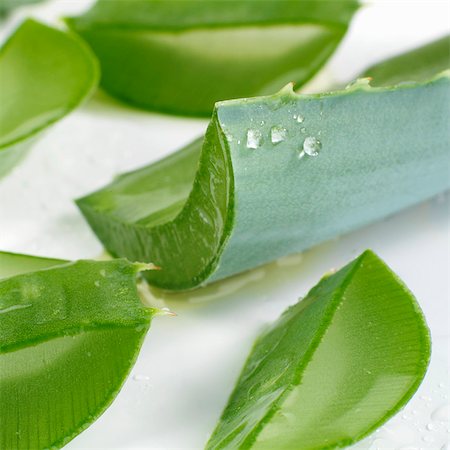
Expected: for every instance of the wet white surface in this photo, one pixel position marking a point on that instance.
(189, 363)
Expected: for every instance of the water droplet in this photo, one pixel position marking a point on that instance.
(312, 146)
(254, 139)
(278, 134)
(300, 118)
(303, 130)
(103, 273)
(430, 427)
(262, 122)
(97, 283)
(441, 414)
(89, 354)
(428, 439)
(139, 377)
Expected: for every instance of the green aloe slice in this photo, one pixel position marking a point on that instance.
(40, 84)
(69, 335)
(7, 5)
(333, 368)
(242, 196)
(182, 56)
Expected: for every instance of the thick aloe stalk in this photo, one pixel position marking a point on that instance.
(183, 56)
(70, 333)
(44, 74)
(333, 368)
(275, 175)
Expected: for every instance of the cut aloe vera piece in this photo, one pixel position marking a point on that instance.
(333, 368)
(276, 175)
(41, 83)
(224, 49)
(7, 5)
(69, 335)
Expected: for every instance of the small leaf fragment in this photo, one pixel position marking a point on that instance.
(332, 368)
(41, 83)
(69, 335)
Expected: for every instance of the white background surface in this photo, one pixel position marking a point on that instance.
(188, 364)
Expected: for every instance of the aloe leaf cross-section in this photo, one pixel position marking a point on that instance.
(276, 175)
(333, 368)
(70, 333)
(182, 56)
(44, 74)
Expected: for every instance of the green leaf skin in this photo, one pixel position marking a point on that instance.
(41, 83)
(183, 56)
(215, 209)
(69, 335)
(333, 368)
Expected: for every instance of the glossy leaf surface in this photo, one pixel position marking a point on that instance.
(243, 197)
(333, 368)
(183, 56)
(69, 335)
(40, 84)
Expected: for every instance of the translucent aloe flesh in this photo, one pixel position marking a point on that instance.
(69, 335)
(242, 196)
(226, 49)
(40, 84)
(333, 368)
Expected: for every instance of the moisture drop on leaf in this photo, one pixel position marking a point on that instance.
(278, 134)
(300, 118)
(312, 146)
(254, 139)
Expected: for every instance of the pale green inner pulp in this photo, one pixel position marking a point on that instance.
(40, 82)
(55, 388)
(217, 64)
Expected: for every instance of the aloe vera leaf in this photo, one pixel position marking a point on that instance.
(382, 149)
(16, 264)
(69, 336)
(226, 49)
(419, 64)
(332, 368)
(41, 83)
(7, 5)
